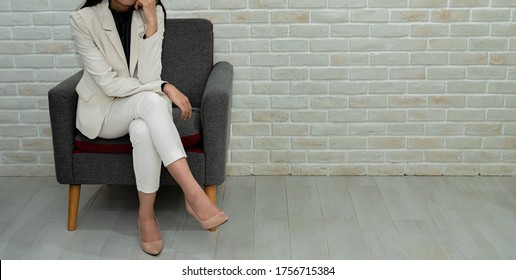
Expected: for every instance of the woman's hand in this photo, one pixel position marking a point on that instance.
(180, 100)
(149, 13)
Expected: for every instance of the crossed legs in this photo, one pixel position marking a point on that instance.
(147, 118)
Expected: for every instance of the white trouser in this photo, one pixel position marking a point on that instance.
(147, 117)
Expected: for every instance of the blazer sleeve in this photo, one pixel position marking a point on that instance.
(100, 70)
(149, 53)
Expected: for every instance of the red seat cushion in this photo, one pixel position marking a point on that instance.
(189, 132)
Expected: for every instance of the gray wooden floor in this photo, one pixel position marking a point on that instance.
(272, 218)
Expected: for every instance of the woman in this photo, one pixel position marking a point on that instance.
(121, 91)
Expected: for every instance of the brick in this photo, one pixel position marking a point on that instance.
(368, 74)
(483, 129)
(289, 102)
(450, 15)
(270, 88)
(407, 73)
(347, 170)
(266, 4)
(234, 59)
(31, 33)
(485, 72)
(270, 116)
(406, 101)
(347, 3)
(307, 4)
(272, 143)
(348, 116)
(386, 143)
(349, 30)
(426, 115)
(456, 44)
(446, 101)
(389, 59)
(238, 169)
(425, 142)
(387, 115)
(485, 101)
(312, 170)
(315, 59)
(19, 157)
(310, 143)
(445, 129)
(497, 170)
(250, 17)
(409, 16)
(34, 61)
(491, 15)
(348, 88)
(17, 103)
(369, 15)
(249, 156)
(36, 144)
(427, 3)
(288, 156)
(231, 31)
(252, 73)
(16, 47)
(387, 87)
(240, 143)
(309, 31)
(501, 115)
(443, 156)
(34, 117)
(502, 3)
(367, 101)
(501, 87)
(385, 169)
(368, 45)
(349, 59)
(404, 156)
(503, 29)
(252, 102)
(309, 116)
(290, 74)
(251, 129)
(329, 45)
(425, 170)
(491, 44)
(469, 29)
(331, 73)
(464, 142)
(269, 59)
(290, 129)
(9, 117)
(429, 30)
(329, 16)
(9, 144)
(11, 170)
(503, 59)
(290, 16)
(462, 169)
(348, 143)
(270, 169)
(189, 5)
(250, 45)
(407, 45)
(54, 47)
(509, 156)
(328, 102)
(228, 4)
(331, 129)
(308, 87)
(15, 19)
(482, 156)
(366, 157)
(44, 157)
(426, 87)
(469, 3)
(468, 58)
(428, 58)
(289, 45)
(6, 62)
(406, 129)
(467, 87)
(326, 157)
(367, 129)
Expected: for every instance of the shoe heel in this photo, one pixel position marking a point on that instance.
(213, 222)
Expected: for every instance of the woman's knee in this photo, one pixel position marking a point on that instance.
(139, 132)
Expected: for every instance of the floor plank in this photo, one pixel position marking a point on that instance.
(272, 240)
(334, 198)
(271, 198)
(376, 223)
(346, 241)
(399, 199)
(308, 240)
(302, 199)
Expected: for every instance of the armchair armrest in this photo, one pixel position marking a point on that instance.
(62, 102)
(216, 116)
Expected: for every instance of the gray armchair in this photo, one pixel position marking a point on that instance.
(188, 64)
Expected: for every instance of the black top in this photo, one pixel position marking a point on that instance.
(123, 25)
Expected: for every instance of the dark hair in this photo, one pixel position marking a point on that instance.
(90, 3)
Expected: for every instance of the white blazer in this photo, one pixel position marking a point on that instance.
(106, 73)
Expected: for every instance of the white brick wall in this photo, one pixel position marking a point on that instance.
(322, 87)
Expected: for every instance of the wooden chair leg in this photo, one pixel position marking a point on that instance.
(211, 192)
(73, 206)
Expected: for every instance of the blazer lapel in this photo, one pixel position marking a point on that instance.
(108, 24)
(137, 31)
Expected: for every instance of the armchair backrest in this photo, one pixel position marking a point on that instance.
(188, 56)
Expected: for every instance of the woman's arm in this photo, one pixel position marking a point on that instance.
(150, 49)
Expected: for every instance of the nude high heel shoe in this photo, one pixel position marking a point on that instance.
(210, 223)
(152, 248)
